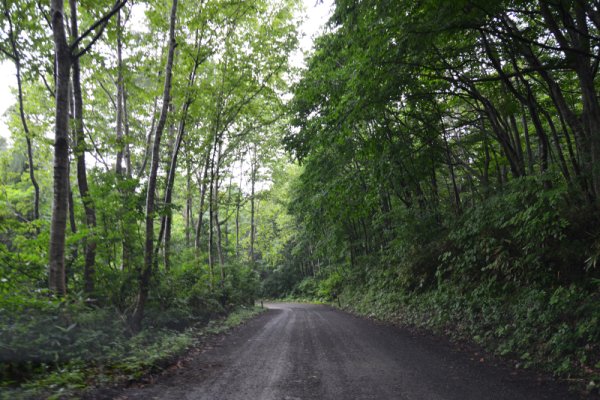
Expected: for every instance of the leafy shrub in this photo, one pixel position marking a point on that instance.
(307, 288)
(330, 287)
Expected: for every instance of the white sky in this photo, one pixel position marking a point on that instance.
(317, 14)
(8, 80)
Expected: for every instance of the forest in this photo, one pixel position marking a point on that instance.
(166, 165)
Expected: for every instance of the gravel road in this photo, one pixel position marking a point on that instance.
(310, 352)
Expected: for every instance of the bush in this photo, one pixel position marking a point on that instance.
(330, 287)
(308, 288)
(518, 236)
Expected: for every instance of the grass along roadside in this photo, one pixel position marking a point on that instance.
(149, 352)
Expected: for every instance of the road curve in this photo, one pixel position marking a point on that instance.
(311, 352)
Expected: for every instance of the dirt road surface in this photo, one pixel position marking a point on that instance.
(312, 352)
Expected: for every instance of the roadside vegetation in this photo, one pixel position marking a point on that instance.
(449, 174)
(436, 164)
(97, 351)
(142, 139)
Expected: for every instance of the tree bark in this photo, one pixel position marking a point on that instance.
(56, 265)
(167, 245)
(530, 159)
(128, 167)
(141, 172)
(144, 273)
(188, 200)
(73, 226)
(123, 151)
(238, 205)
(517, 141)
(165, 223)
(576, 47)
(119, 133)
(203, 186)
(88, 204)
(216, 210)
(16, 57)
(227, 211)
(252, 203)
(211, 189)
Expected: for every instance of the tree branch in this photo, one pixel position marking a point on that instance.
(44, 14)
(7, 53)
(101, 23)
(48, 87)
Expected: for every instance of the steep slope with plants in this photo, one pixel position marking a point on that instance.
(450, 173)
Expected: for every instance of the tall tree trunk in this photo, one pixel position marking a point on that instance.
(128, 167)
(73, 227)
(217, 225)
(166, 220)
(528, 100)
(142, 171)
(165, 217)
(530, 159)
(202, 182)
(16, 57)
(210, 227)
(517, 141)
(227, 211)
(220, 247)
(544, 145)
(146, 270)
(88, 204)
(576, 46)
(56, 265)
(167, 245)
(252, 203)
(455, 190)
(499, 129)
(211, 190)
(119, 133)
(188, 201)
(561, 157)
(567, 116)
(238, 204)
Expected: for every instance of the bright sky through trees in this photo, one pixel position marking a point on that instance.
(317, 13)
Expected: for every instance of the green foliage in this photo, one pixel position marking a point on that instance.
(241, 286)
(501, 275)
(279, 282)
(440, 185)
(518, 236)
(330, 287)
(57, 348)
(229, 80)
(307, 288)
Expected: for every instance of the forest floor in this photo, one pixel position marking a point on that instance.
(305, 351)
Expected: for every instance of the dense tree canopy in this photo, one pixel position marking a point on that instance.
(142, 138)
(435, 161)
(449, 156)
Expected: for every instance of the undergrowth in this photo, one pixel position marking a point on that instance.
(116, 357)
(516, 274)
(554, 330)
